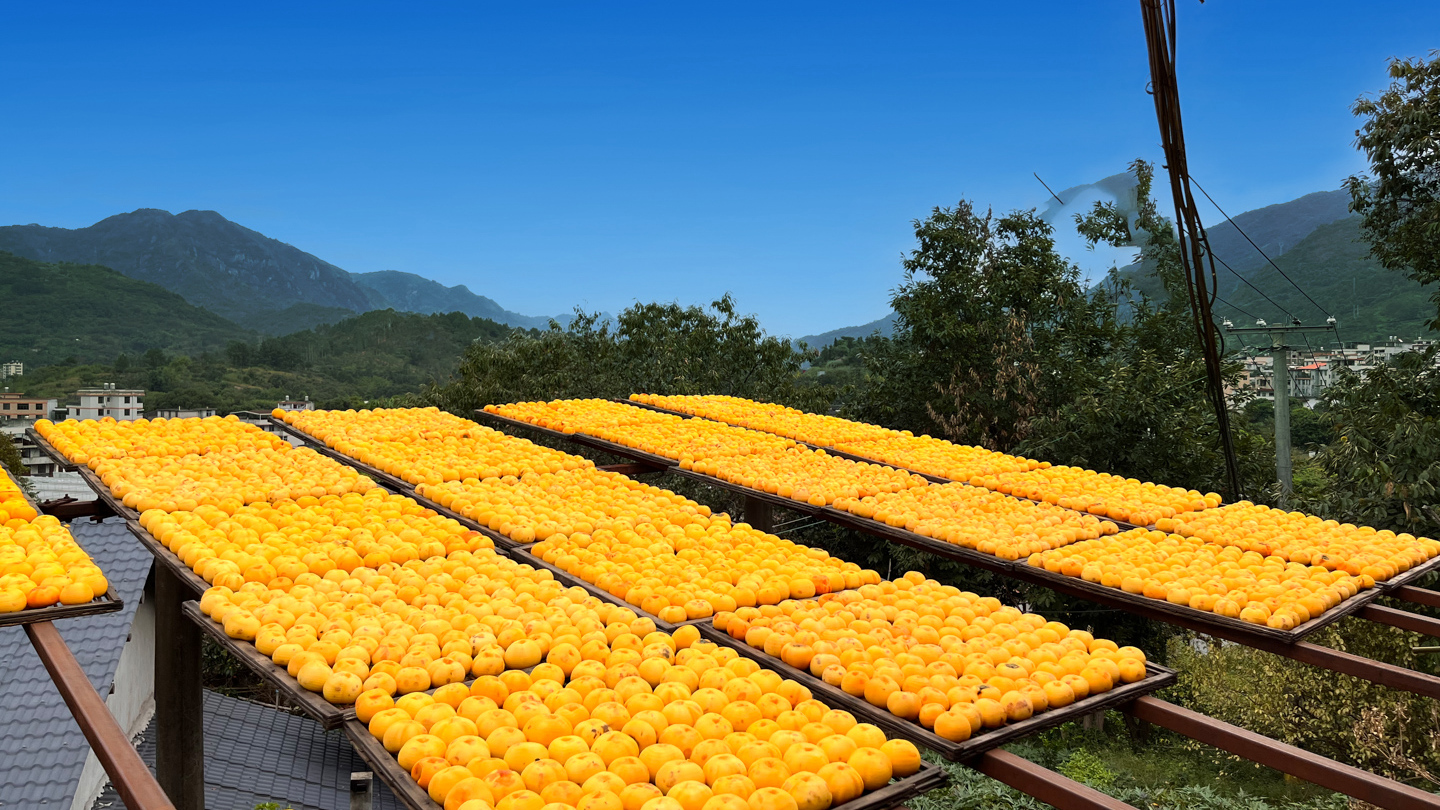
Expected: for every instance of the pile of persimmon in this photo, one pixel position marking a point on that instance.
(691, 572)
(427, 445)
(978, 518)
(952, 661)
(1226, 580)
(277, 542)
(42, 565)
(536, 506)
(1356, 550)
(938, 457)
(1100, 494)
(13, 503)
(662, 722)
(95, 439)
(588, 416)
(184, 482)
(423, 624)
(685, 440)
(901, 448)
(810, 476)
(818, 429)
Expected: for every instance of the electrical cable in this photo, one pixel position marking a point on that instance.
(1159, 21)
(1257, 247)
(1253, 287)
(1236, 308)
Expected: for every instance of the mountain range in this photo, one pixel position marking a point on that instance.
(267, 287)
(258, 282)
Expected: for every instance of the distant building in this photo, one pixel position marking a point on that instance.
(120, 404)
(296, 404)
(262, 421)
(36, 462)
(1312, 372)
(180, 413)
(14, 368)
(19, 406)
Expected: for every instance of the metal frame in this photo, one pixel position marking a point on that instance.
(1327, 773)
(127, 771)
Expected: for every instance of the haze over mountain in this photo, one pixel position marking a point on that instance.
(243, 275)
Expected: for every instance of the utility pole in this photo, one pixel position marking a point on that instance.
(1280, 352)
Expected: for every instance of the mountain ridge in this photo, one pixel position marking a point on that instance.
(239, 273)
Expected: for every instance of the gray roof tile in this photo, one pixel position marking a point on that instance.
(256, 754)
(42, 751)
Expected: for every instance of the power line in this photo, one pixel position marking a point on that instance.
(1232, 306)
(1159, 20)
(1257, 247)
(1287, 312)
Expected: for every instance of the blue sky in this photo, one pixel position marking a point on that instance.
(549, 155)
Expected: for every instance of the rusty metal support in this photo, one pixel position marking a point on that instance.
(1327, 773)
(68, 509)
(128, 773)
(759, 514)
(1044, 784)
(1414, 622)
(179, 696)
(1419, 596)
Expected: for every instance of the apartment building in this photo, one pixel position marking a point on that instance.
(120, 404)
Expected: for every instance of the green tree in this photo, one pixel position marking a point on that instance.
(11, 461)
(1400, 205)
(1141, 410)
(653, 348)
(1383, 466)
(992, 331)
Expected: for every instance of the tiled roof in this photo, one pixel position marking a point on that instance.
(42, 750)
(256, 754)
(54, 487)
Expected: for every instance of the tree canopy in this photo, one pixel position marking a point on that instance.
(1399, 203)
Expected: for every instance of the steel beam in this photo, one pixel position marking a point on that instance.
(759, 514)
(1419, 596)
(127, 771)
(1414, 622)
(1327, 773)
(1044, 784)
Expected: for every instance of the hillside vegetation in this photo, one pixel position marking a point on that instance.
(88, 313)
(371, 357)
(1335, 267)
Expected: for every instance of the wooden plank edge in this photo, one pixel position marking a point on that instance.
(61, 462)
(167, 558)
(98, 606)
(317, 708)
(369, 749)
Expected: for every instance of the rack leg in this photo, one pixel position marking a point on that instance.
(758, 514)
(179, 699)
